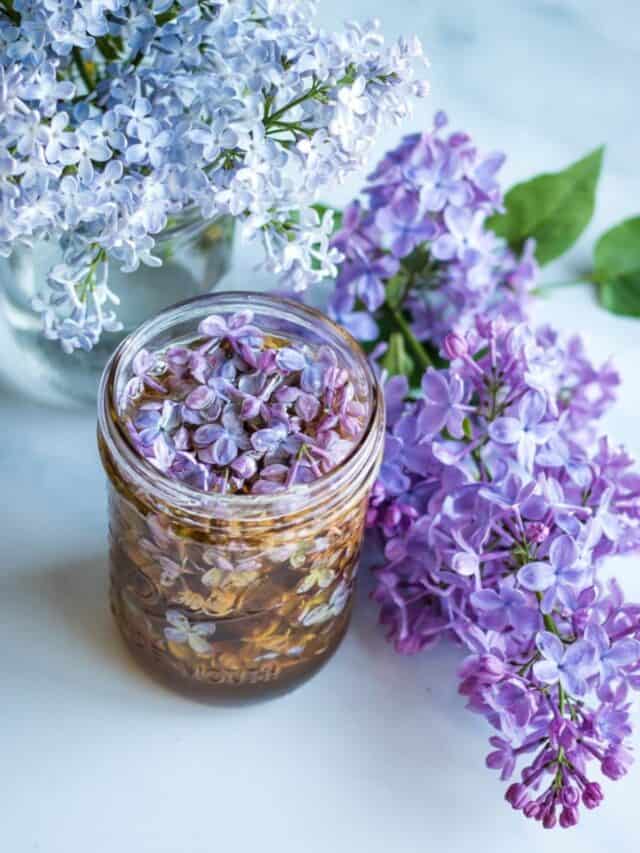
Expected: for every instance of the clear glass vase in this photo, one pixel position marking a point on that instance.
(195, 256)
(235, 597)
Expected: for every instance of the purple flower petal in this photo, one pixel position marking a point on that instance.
(537, 576)
(550, 646)
(506, 430)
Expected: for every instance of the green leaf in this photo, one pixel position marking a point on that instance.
(621, 295)
(554, 208)
(617, 252)
(616, 268)
(396, 360)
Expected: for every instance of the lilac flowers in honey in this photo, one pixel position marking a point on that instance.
(495, 509)
(236, 411)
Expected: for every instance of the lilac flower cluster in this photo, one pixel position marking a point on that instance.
(234, 413)
(117, 115)
(424, 230)
(496, 508)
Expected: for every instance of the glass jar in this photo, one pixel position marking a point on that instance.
(195, 255)
(235, 596)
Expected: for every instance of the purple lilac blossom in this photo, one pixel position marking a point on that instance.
(433, 192)
(495, 507)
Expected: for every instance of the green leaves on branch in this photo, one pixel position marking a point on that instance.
(553, 208)
(616, 268)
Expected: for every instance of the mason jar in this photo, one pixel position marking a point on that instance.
(235, 596)
(195, 255)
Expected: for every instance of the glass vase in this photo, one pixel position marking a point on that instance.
(195, 256)
(230, 597)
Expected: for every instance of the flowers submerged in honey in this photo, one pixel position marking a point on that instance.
(246, 584)
(236, 411)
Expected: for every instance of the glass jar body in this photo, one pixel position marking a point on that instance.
(236, 610)
(195, 256)
(243, 596)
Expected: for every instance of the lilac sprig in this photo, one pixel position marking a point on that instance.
(496, 508)
(419, 247)
(118, 116)
(231, 414)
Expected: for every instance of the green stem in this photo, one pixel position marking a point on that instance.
(544, 287)
(84, 72)
(108, 49)
(313, 91)
(419, 353)
(550, 625)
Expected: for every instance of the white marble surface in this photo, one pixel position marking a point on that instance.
(376, 753)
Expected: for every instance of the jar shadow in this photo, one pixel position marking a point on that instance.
(69, 602)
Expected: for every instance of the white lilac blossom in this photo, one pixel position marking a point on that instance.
(496, 506)
(118, 115)
(232, 414)
(420, 243)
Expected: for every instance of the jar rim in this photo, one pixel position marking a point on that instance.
(363, 456)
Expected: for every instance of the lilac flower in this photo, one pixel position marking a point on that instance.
(570, 666)
(220, 443)
(150, 148)
(526, 429)
(156, 420)
(558, 578)
(403, 226)
(442, 404)
(144, 364)
(238, 331)
(506, 606)
(181, 631)
(610, 657)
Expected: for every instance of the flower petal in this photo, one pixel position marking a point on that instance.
(537, 576)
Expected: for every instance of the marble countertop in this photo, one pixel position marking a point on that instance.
(377, 752)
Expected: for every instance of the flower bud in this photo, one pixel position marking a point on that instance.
(592, 795)
(568, 817)
(536, 532)
(517, 795)
(616, 763)
(455, 346)
(569, 796)
(489, 669)
(392, 517)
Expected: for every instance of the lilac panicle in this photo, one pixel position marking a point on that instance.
(424, 225)
(117, 116)
(496, 505)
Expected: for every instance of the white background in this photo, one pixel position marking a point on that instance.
(377, 752)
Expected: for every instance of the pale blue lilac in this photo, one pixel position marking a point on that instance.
(116, 116)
